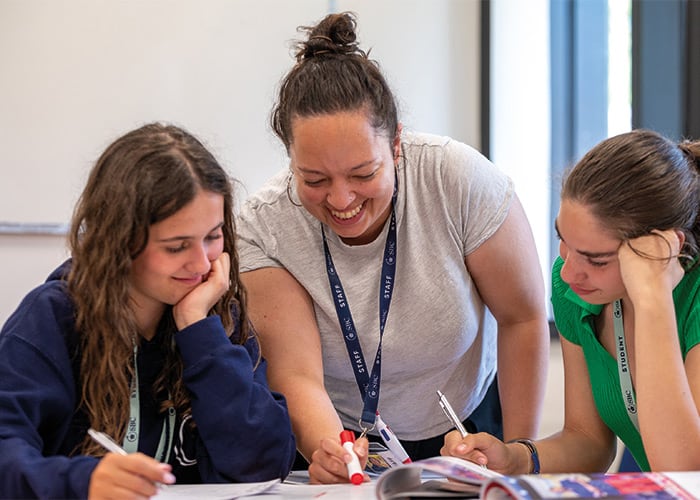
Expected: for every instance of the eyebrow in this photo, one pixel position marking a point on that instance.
(182, 238)
(357, 167)
(590, 255)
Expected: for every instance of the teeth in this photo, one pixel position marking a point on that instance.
(347, 215)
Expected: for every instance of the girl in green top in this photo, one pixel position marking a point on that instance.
(626, 297)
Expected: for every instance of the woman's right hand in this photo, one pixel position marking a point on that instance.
(133, 476)
(329, 461)
(484, 449)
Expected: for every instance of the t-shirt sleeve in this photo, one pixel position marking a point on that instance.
(254, 243)
(482, 192)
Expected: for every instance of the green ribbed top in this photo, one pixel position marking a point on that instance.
(575, 320)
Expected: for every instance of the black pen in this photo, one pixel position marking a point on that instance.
(451, 415)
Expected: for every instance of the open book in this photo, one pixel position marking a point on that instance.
(427, 478)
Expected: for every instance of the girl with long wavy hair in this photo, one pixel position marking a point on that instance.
(142, 334)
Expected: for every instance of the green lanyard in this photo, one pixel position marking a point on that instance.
(628, 396)
(131, 439)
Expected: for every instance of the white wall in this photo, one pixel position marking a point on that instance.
(78, 73)
(520, 110)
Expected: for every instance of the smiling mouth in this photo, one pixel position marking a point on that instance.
(349, 214)
(192, 280)
(579, 290)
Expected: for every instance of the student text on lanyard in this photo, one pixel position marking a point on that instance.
(131, 438)
(623, 368)
(368, 383)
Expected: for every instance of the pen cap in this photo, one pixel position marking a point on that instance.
(347, 437)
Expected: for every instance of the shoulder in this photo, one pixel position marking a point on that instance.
(271, 195)
(44, 322)
(568, 308)
(447, 161)
(686, 298)
(439, 148)
(270, 209)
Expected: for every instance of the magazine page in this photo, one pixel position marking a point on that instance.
(647, 485)
(223, 491)
(409, 480)
(379, 460)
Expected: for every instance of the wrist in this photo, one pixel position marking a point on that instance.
(533, 458)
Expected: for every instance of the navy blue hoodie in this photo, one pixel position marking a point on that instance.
(242, 432)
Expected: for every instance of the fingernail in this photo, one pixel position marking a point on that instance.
(168, 478)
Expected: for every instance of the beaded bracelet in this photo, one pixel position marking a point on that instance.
(534, 456)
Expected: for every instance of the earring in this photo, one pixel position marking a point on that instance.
(289, 190)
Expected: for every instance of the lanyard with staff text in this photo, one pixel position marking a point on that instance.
(367, 383)
(626, 387)
(131, 438)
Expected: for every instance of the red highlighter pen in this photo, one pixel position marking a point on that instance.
(347, 438)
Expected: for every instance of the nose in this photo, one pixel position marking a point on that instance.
(569, 270)
(340, 195)
(199, 262)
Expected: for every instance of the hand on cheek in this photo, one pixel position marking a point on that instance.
(196, 305)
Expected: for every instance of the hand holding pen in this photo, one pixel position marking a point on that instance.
(452, 416)
(119, 474)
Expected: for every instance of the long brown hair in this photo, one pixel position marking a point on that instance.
(142, 178)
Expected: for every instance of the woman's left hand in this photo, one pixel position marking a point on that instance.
(657, 268)
(196, 305)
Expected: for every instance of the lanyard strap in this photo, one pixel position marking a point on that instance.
(131, 439)
(628, 396)
(368, 384)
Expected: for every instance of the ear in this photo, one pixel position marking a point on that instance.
(681, 237)
(396, 143)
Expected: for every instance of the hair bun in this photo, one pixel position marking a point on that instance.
(334, 34)
(691, 149)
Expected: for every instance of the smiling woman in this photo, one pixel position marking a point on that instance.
(385, 264)
(141, 324)
(345, 172)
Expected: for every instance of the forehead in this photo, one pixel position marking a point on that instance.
(579, 228)
(204, 212)
(347, 132)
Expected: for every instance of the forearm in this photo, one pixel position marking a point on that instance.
(664, 397)
(575, 451)
(313, 417)
(241, 414)
(26, 473)
(523, 356)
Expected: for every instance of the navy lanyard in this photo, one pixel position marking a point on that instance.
(623, 368)
(368, 383)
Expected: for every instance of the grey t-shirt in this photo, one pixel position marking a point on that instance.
(438, 334)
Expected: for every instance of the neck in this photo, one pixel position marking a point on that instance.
(147, 321)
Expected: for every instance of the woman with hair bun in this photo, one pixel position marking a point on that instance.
(626, 298)
(385, 265)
